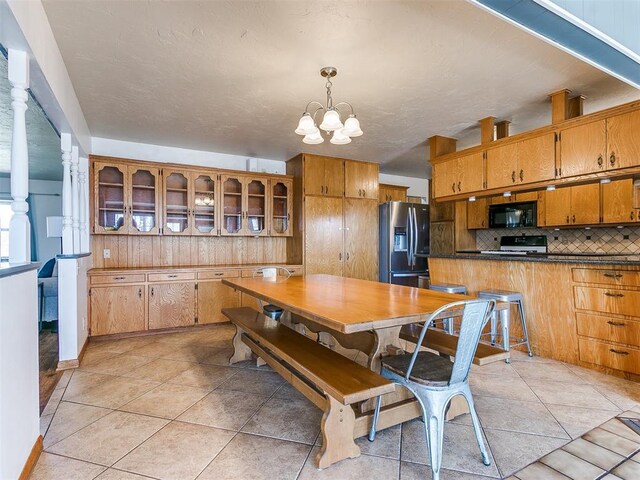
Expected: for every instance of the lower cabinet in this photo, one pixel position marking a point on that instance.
(172, 305)
(212, 298)
(117, 309)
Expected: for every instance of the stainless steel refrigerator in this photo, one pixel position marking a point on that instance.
(404, 242)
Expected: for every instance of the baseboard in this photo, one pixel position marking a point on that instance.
(75, 363)
(32, 460)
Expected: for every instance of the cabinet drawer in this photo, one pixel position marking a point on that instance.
(618, 330)
(609, 355)
(606, 277)
(254, 272)
(167, 277)
(117, 278)
(295, 271)
(212, 274)
(607, 300)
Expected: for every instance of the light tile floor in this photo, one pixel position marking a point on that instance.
(168, 407)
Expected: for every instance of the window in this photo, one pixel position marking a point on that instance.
(5, 217)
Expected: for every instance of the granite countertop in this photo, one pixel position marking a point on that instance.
(7, 269)
(590, 258)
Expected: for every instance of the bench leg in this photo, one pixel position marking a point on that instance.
(337, 428)
(241, 352)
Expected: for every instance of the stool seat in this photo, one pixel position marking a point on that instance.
(448, 288)
(272, 311)
(501, 295)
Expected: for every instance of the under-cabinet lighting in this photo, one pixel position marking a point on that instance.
(551, 188)
(620, 227)
(472, 199)
(587, 228)
(506, 194)
(557, 229)
(605, 180)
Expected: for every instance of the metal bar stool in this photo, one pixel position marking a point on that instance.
(505, 318)
(447, 323)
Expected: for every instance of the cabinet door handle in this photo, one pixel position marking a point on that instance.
(219, 274)
(567, 218)
(347, 255)
(616, 324)
(364, 192)
(600, 161)
(612, 159)
(140, 292)
(513, 176)
(613, 275)
(152, 291)
(631, 216)
(453, 187)
(618, 352)
(118, 278)
(522, 175)
(573, 219)
(172, 276)
(614, 295)
(326, 189)
(459, 183)
(340, 256)
(321, 188)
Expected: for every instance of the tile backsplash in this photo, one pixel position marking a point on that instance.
(624, 240)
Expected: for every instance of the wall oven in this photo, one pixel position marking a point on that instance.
(513, 215)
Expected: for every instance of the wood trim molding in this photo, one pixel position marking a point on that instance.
(75, 363)
(32, 459)
(487, 129)
(502, 129)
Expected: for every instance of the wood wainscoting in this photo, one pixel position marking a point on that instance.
(32, 459)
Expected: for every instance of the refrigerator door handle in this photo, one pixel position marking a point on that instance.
(415, 235)
(409, 237)
(403, 275)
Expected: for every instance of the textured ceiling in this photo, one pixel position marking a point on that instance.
(43, 142)
(234, 76)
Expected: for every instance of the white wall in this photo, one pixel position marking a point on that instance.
(418, 187)
(19, 401)
(45, 205)
(158, 153)
(72, 306)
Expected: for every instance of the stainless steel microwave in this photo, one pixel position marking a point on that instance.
(513, 215)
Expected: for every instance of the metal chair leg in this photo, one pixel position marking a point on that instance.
(376, 414)
(525, 332)
(435, 437)
(476, 427)
(494, 327)
(505, 318)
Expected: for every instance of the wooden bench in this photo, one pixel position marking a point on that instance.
(446, 344)
(328, 379)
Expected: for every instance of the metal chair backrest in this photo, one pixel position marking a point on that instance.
(475, 315)
(46, 271)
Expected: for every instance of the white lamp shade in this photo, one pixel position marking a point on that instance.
(352, 127)
(305, 125)
(339, 138)
(313, 138)
(331, 121)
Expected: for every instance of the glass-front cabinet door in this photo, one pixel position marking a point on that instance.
(256, 206)
(144, 201)
(232, 204)
(280, 211)
(177, 193)
(110, 208)
(205, 221)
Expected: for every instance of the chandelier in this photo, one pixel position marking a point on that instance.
(331, 122)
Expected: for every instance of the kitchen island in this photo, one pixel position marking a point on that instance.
(583, 310)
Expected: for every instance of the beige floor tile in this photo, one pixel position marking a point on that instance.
(287, 392)
(601, 457)
(415, 471)
(118, 365)
(560, 393)
(96, 355)
(520, 356)
(513, 451)
(254, 381)
(166, 401)
(188, 353)
(364, 466)
(64, 379)
(611, 476)
(539, 471)
(577, 421)
(501, 387)
(51, 467)
(110, 438)
(69, 418)
(113, 474)
(460, 450)
(224, 409)
(204, 376)
(622, 399)
(54, 401)
(82, 381)
(616, 426)
(180, 451)
(218, 356)
(45, 421)
(258, 458)
(611, 441)
(295, 420)
(628, 470)
(572, 466)
(552, 372)
(494, 368)
(159, 370)
(155, 349)
(518, 416)
(111, 393)
(386, 444)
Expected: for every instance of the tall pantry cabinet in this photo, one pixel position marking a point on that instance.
(336, 216)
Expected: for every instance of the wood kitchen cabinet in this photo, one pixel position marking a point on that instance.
(171, 305)
(583, 149)
(126, 199)
(117, 309)
(478, 214)
(232, 192)
(617, 202)
(392, 193)
(323, 235)
(577, 205)
(323, 176)
(177, 190)
(623, 140)
(256, 201)
(360, 255)
(205, 204)
(281, 207)
(459, 175)
(360, 180)
(213, 296)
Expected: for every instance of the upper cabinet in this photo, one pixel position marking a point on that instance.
(577, 205)
(617, 202)
(136, 199)
(323, 176)
(392, 193)
(459, 175)
(360, 180)
(623, 140)
(126, 199)
(583, 149)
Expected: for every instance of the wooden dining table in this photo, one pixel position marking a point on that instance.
(358, 314)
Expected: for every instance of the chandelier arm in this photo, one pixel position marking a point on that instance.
(345, 103)
(313, 115)
(306, 110)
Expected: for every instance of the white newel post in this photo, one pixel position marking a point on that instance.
(19, 227)
(82, 181)
(67, 220)
(75, 199)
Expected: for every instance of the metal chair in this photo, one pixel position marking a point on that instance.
(435, 380)
(448, 324)
(271, 311)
